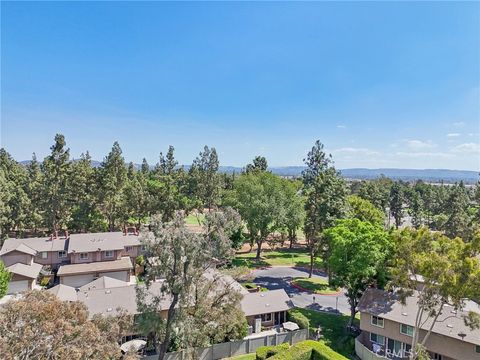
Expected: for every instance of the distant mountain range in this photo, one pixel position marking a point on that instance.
(429, 175)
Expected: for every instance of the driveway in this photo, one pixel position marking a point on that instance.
(279, 278)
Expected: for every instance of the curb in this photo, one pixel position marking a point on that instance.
(311, 292)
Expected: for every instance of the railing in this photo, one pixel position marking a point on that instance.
(240, 347)
(364, 353)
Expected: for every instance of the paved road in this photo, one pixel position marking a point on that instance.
(279, 277)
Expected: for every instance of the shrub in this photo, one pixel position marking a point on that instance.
(309, 350)
(140, 260)
(265, 352)
(298, 318)
(45, 281)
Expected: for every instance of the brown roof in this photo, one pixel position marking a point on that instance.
(388, 306)
(37, 244)
(92, 242)
(265, 302)
(103, 282)
(102, 266)
(30, 271)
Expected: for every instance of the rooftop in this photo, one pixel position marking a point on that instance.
(387, 305)
(37, 244)
(91, 242)
(64, 292)
(73, 269)
(30, 271)
(265, 301)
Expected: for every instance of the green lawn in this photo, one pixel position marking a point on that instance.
(192, 219)
(316, 285)
(243, 357)
(333, 330)
(285, 257)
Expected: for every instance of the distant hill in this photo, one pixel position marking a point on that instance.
(428, 175)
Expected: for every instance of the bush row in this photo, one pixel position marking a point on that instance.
(298, 318)
(305, 350)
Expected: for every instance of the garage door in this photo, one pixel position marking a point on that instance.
(17, 286)
(120, 275)
(77, 280)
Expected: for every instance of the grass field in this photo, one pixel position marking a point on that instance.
(315, 285)
(281, 257)
(334, 331)
(192, 219)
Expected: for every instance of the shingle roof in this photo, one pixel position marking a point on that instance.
(103, 282)
(265, 302)
(107, 301)
(91, 242)
(20, 248)
(30, 271)
(387, 305)
(102, 266)
(64, 292)
(38, 244)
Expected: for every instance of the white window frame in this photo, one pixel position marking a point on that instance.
(43, 255)
(408, 327)
(107, 252)
(84, 256)
(376, 342)
(378, 318)
(62, 254)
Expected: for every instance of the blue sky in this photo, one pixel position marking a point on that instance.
(380, 84)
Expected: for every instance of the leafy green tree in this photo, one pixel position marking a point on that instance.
(359, 254)
(458, 218)
(260, 200)
(376, 191)
(145, 169)
(325, 193)
(448, 271)
(136, 197)
(259, 164)
(5, 196)
(396, 201)
(56, 170)
(364, 210)
(206, 180)
(5, 277)
(33, 191)
(112, 179)
(294, 209)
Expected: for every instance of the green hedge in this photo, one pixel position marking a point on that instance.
(298, 318)
(309, 350)
(264, 352)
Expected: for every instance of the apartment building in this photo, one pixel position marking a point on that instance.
(387, 328)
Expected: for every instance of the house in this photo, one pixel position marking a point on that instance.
(266, 308)
(64, 292)
(77, 275)
(23, 277)
(45, 251)
(387, 327)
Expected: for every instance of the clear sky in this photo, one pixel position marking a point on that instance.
(381, 84)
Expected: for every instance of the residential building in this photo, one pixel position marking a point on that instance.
(23, 277)
(387, 328)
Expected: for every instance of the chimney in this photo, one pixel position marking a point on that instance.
(56, 234)
(124, 230)
(51, 237)
(67, 235)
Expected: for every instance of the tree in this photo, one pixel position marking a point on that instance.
(396, 203)
(260, 200)
(181, 258)
(456, 210)
(5, 277)
(39, 326)
(34, 193)
(359, 254)
(136, 197)
(56, 169)
(449, 271)
(205, 177)
(294, 210)
(364, 210)
(325, 193)
(376, 191)
(113, 178)
(259, 164)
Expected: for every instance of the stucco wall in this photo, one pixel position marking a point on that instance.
(15, 257)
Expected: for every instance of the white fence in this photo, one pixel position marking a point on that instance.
(240, 347)
(365, 354)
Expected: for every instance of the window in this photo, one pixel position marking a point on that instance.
(62, 254)
(267, 317)
(83, 256)
(143, 248)
(437, 356)
(377, 339)
(44, 255)
(109, 253)
(377, 321)
(406, 329)
(128, 248)
(477, 349)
